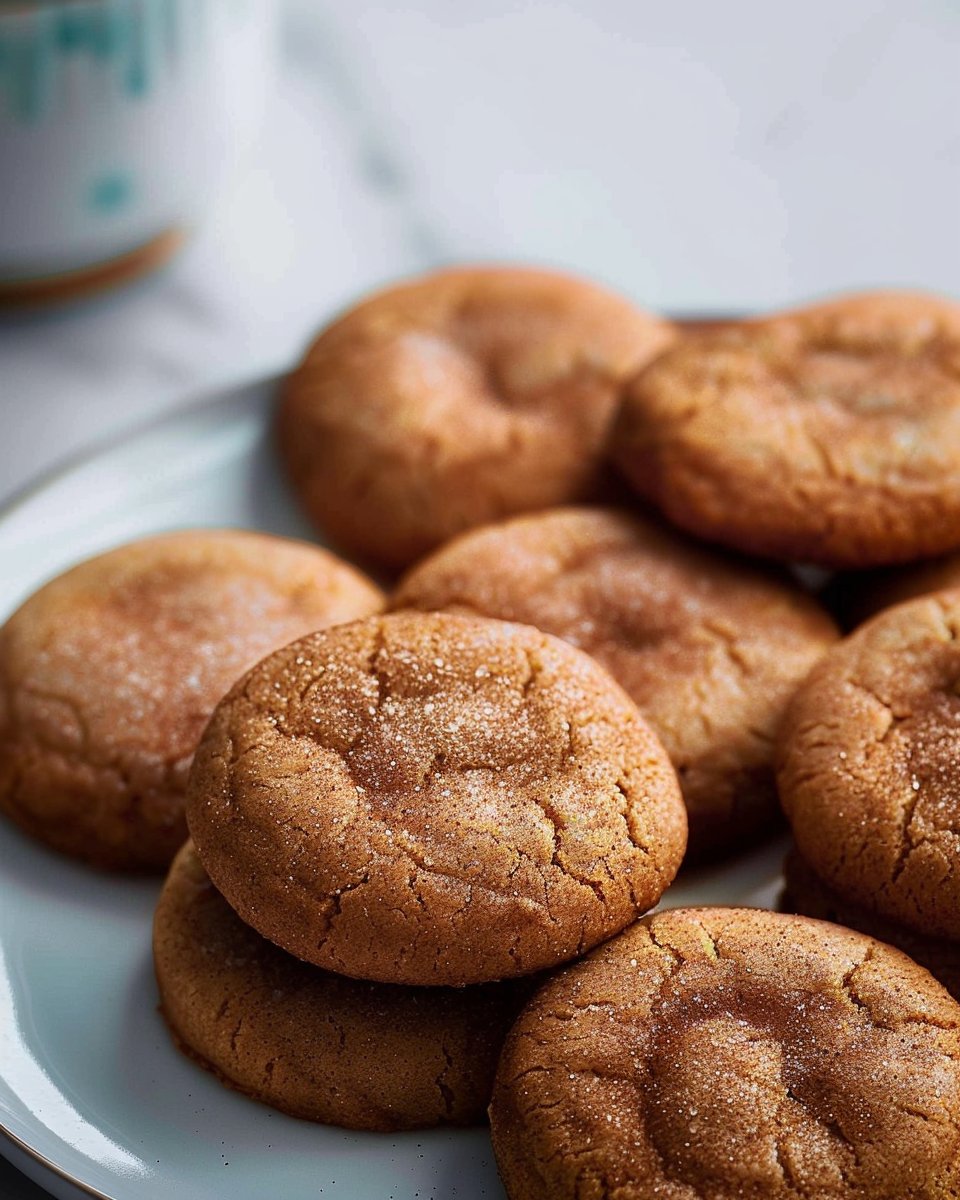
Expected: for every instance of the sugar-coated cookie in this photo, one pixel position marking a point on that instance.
(709, 647)
(109, 673)
(806, 893)
(867, 766)
(431, 799)
(718, 1054)
(314, 1044)
(456, 399)
(830, 434)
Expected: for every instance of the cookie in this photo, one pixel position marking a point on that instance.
(314, 1044)
(828, 435)
(709, 648)
(867, 766)
(431, 799)
(806, 893)
(727, 1053)
(109, 673)
(456, 399)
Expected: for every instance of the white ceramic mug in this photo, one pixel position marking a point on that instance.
(120, 121)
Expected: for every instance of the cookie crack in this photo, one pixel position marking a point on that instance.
(535, 669)
(907, 842)
(334, 906)
(728, 642)
(375, 667)
(446, 1092)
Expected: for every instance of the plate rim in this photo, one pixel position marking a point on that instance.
(48, 1164)
(21, 497)
(201, 400)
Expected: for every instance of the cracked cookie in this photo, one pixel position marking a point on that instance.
(716, 1054)
(456, 399)
(827, 435)
(806, 893)
(708, 647)
(432, 799)
(314, 1044)
(867, 766)
(109, 673)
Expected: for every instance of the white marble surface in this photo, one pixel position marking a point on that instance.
(700, 156)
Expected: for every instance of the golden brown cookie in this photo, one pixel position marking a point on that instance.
(829, 435)
(723, 1054)
(456, 399)
(806, 893)
(710, 648)
(867, 766)
(314, 1044)
(432, 799)
(109, 673)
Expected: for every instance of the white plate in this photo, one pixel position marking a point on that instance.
(93, 1097)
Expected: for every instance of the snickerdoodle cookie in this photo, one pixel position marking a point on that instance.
(710, 648)
(109, 673)
(456, 399)
(830, 434)
(315, 1044)
(433, 799)
(867, 766)
(806, 893)
(717, 1054)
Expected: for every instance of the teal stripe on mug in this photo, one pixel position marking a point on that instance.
(135, 41)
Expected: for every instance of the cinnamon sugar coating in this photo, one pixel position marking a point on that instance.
(314, 1044)
(456, 399)
(710, 648)
(867, 766)
(733, 1054)
(109, 673)
(806, 893)
(430, 799)
(830, 434)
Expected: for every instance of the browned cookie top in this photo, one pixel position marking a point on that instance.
(430, 799)
(109, 673)
(868, 765)
(315, 1044)
(733, 1054)
(830, 434)
(805, 892)
(710, 648)
(456, 399)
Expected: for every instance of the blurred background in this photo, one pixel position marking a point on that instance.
(700, 157)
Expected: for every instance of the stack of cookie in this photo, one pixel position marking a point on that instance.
(415, 813)
(422, 837)
(687, 1057)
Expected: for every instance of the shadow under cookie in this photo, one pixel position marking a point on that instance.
(317, 1045)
